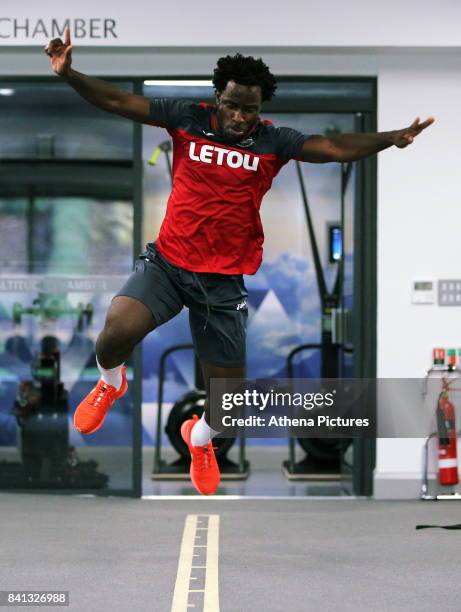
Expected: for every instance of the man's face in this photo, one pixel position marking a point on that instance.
(237, 110)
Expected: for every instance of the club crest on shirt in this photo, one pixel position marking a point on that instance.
(210, 154)
(248, 142)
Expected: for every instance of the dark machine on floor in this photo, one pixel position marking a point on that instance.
(41, 410)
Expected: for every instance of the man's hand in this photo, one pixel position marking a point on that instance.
(60, 54)
(406, 136)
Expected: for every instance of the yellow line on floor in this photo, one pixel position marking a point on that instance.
(181, 589)
(211, 600)
(185, 565)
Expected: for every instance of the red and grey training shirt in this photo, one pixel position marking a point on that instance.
(212, 221)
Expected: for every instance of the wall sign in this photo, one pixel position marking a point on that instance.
(38, 30)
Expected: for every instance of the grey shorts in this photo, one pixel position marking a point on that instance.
(217, 305)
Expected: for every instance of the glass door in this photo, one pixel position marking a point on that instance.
(66, 218)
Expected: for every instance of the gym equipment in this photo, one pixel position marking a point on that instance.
(323, 459)
(164, 147)
(41, 409)
(191, 403)
(323, 455)
(53, 306)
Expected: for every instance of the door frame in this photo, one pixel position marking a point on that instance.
(314, 98)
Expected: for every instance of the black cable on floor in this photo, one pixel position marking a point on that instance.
(458, 526)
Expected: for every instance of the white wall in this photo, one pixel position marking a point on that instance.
(419, 209)
(419, 221)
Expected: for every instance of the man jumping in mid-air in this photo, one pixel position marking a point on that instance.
(224, 160)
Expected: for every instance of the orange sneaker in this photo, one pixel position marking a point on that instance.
(204, 469)
(91, 411)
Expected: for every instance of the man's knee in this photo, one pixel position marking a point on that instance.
(128, 318)
(114, 334)
(127, 323)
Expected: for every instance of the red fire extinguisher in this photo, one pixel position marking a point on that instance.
(446, 426)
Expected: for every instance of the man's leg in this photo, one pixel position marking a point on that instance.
(148, 299)
(217, 315)
(202, 433)
(128, 321)
(197, 434)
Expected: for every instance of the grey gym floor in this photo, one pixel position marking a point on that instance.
(297, 555)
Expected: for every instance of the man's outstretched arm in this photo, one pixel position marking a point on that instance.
(100, 93)
(352, 147)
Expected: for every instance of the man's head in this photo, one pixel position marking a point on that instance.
(241, 84)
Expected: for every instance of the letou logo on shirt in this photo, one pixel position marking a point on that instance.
(209, 154)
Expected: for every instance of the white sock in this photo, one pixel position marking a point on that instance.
(111, 377)
(202, 433)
